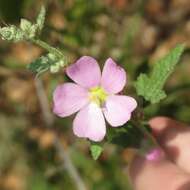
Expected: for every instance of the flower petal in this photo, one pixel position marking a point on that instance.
(118, 109)
(85, 72)
(69, 98)
(90, 123)
(113, 77)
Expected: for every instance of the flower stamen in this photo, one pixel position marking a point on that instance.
(98, 95)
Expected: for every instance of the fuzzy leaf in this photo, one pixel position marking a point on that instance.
(25, 24)
(96, 151)
(151, 87)
(41, 19)
(28, 28)
(11, 33)
(47, 62)
(40, 65)
(26, 31)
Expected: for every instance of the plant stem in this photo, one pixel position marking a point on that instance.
(147, 134)
(49, 48)
(61, 150)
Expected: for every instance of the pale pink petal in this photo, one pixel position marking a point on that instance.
(118, 109)
(85, 72)
(69, 98)
(113, 77)
(89, 123)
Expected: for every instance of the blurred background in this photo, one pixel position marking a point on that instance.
(133, 32)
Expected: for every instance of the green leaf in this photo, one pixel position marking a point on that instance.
(25, 24)
(40, 65)
(12, 33)
(96, 151)
(41, 19)
(47, 62)
(26, 31)
(126, 136)
(28, 28)
(151, 87)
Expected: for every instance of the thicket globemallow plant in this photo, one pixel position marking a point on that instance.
(95, 96)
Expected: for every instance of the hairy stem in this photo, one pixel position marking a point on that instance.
(49, 48)
(146, 133)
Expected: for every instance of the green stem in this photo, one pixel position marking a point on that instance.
(147, 134)
(49, 48)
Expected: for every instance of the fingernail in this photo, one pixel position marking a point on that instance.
(154, 155)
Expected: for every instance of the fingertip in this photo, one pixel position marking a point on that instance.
(140, 165)
(158, 174)
(161, 124)
(134, 167)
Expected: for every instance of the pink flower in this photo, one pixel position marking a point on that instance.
(95, 95)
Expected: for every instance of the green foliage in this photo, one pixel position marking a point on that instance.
(82, 28)
(41, 19)
(26, 31)
(25, 24)
(40, 65)
(125, 136)
(96, 151)
(29, 30)
(11, 33)
(151, 87)
(32, 30)
(45, 63)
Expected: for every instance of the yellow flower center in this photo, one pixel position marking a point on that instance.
(98, 95)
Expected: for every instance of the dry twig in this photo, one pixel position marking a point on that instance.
(62, 152)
